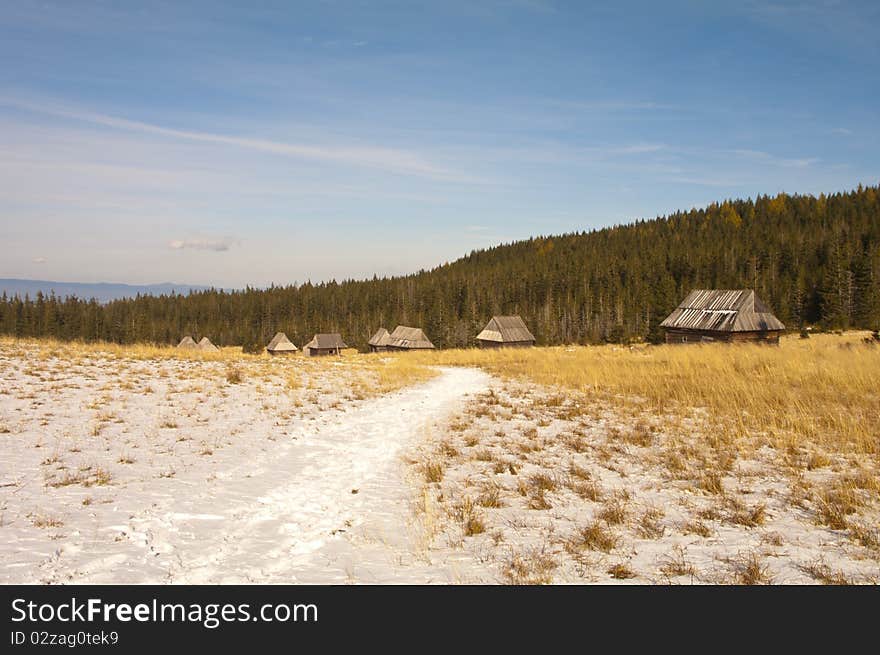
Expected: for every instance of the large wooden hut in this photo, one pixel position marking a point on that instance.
(408, 338)
(188, 343)
(281, 345)
(324, 344)
(722, 315)
(379, 341)
(505, 331)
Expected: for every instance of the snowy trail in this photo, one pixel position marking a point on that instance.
(304, 513)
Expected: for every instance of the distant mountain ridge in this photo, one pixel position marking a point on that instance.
(101, 291)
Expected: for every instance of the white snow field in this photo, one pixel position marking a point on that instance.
(190, 485)
(135, 466)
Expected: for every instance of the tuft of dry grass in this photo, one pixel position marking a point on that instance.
(641, 435)
(538, 499)
(234, 375)
(621, 571)
(588, 491)
(87, 476)
(750, 517)
(532, 567)
(867, 535)
(698, 528)
(613, 512)
(491, 496)
(749, 569)
(46, 522)
(595, 536)
(676, 563)
(466, 513)
(433, 471)
(543, 482)
(711, 482)
(649, 526)
(819, 570)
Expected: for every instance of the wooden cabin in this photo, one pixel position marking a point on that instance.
(324, 344)
(379, 342)
(505, 332)
(722, 315)
(281, 345)
(188, 343)
(408, 338)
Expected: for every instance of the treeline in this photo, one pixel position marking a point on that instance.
(816, 261)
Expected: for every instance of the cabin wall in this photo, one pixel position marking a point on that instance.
(680, 336)
(505, 344)
(320, 352)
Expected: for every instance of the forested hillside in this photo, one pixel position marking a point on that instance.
(816, 261)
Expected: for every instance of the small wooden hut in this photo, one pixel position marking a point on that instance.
(187, 343)
(281, 345)
(379, 341)
(206, 345)
(505, 332)
(408, 338)
(324, 344)
(722, 315)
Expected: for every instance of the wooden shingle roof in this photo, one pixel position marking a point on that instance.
(381, 338)
(409, 338)
(280, 343)
(187, 342)
(205, 344)
(506, 329)
(723, 310)
(324, 341)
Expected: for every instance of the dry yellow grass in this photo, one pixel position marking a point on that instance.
(818, 392)
(364, 375)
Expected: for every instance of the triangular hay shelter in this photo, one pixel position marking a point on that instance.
(325, 344)
(722, 315)
(379, 341)
(505, 331)
(281, 345)
(206, 345)
(408, 338)
(187, 343)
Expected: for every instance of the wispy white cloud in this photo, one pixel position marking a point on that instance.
(842, 131)
(611, 105)
(39, 260)
(389, 159)
(637, 149)
(787, 162)
(216, 245)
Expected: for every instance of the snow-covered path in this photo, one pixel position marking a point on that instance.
(328, 506)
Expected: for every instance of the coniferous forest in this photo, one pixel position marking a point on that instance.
(816, 261)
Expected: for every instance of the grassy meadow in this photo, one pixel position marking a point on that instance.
(821, 392)
(713, 463)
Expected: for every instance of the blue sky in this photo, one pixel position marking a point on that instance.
(260, 142)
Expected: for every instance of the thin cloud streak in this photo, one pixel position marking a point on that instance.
(215, 245)
(803, 162)
(391, 159)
